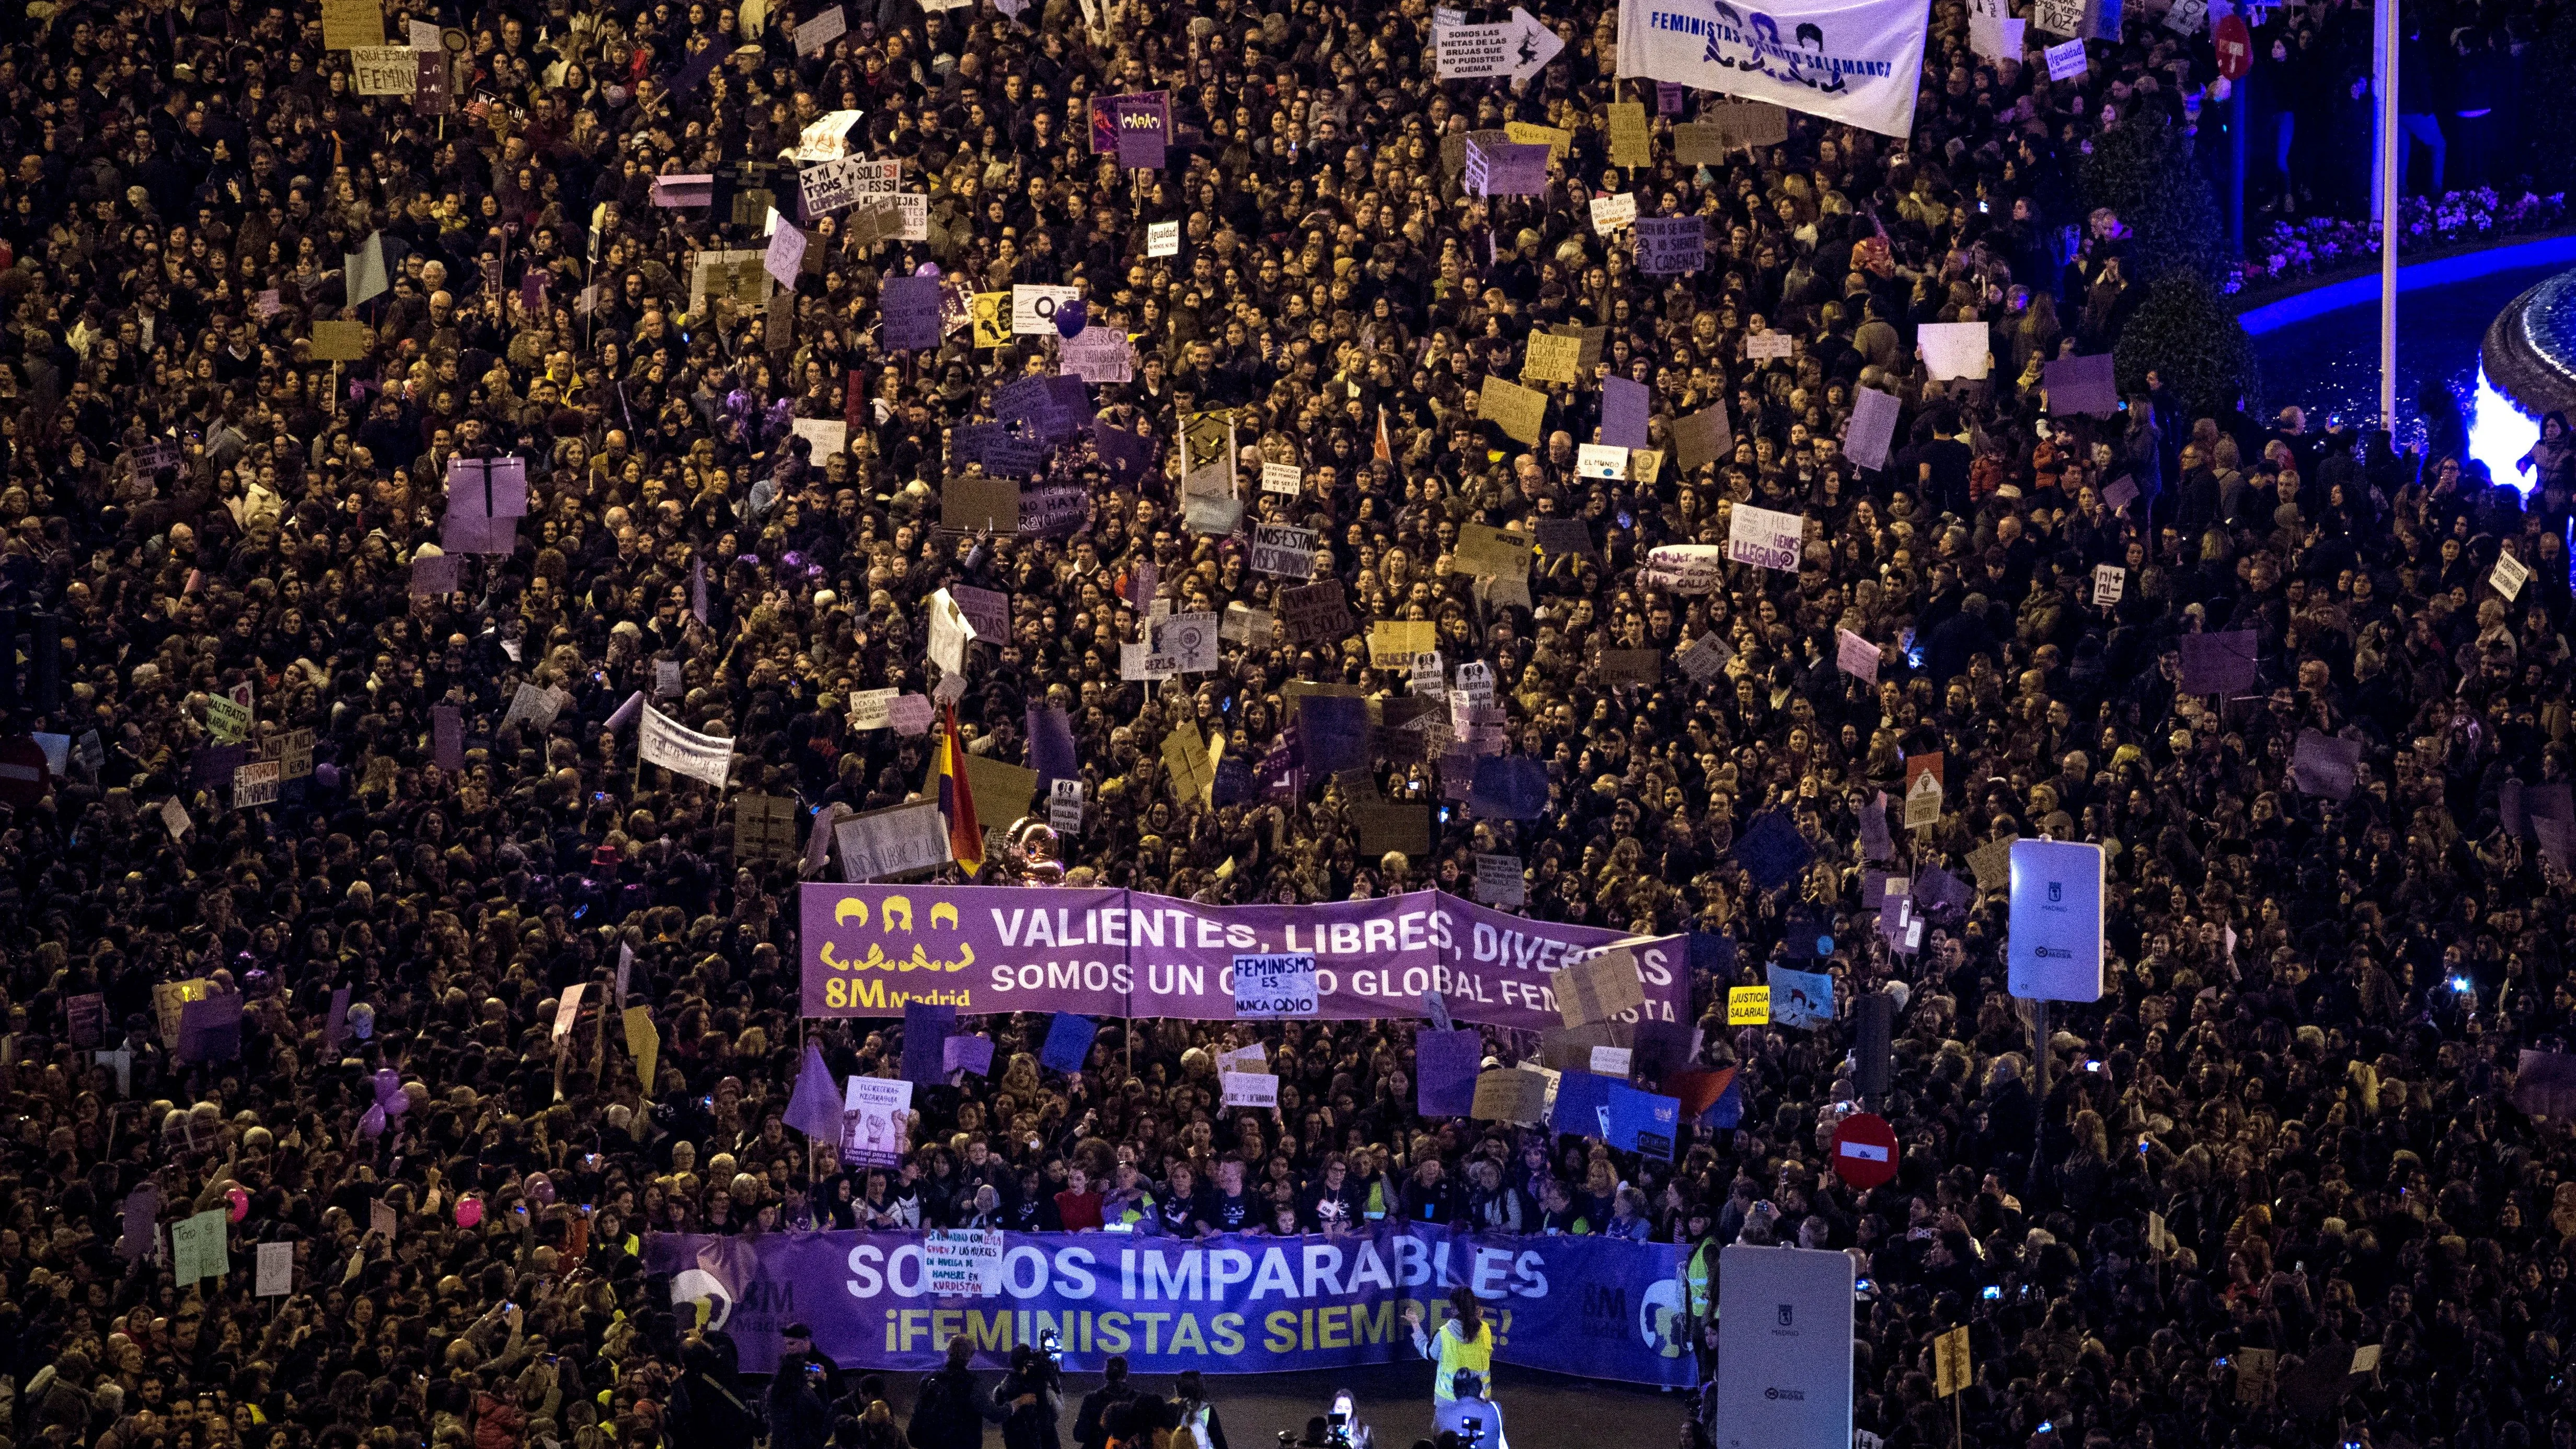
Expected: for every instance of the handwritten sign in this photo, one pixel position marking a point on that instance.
(1765, 538)
(1267, 987)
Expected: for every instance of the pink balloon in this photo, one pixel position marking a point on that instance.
(469, 1211)
(541, 1188)
(240, 1201)
(373, 1123)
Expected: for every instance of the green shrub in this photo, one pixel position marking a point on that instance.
(2144, 170)
(2187, 333)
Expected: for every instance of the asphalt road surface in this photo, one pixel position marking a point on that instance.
(1540, 1410)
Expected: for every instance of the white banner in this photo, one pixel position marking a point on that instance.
(666, 743)
(1854, 63)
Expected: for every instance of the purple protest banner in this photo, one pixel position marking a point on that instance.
(871, 950)
(867, 1298)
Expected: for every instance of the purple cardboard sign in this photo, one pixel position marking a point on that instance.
(911, 314)
(1444, 1071)
(1670, 246)
(1506, 168)
(447, 736)
(2218, 663)
(1143, 126)
(967, 1054)
(1625, 405)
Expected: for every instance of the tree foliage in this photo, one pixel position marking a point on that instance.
(2143, 169)
(2188, 334)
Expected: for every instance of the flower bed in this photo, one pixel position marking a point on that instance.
(2292, 250)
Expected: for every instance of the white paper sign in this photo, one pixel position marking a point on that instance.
(1500, 881)
(2109, 582)
(1765, 538)
(568, 1009)
(1064, 806)
(276, 1270)
(822, 30)
(1766, 346)
(1282, 551)
(1281, 478)
(1599, 460)
(873, 1122)
(1274, 986)
(1190, 640)
(1163, 239)
(1033, 306)
(2066, 61)
(1250, 1089)
(2053, 949)
(890, 842)
(827, 139)
(1611, 1061)
(1953, 349)
(827, 435)
(2509, 576)
(1609, 213)
(1873, 427)
(961, 1263)
(872, 709)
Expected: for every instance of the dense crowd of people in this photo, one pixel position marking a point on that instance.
(2287, 1129)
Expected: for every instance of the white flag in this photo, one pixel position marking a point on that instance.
(1857, 63)
(700, 757)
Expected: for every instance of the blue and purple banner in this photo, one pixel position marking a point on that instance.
(1599, 1307)
(870, 949)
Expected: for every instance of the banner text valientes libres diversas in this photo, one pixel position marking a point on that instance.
(869, 950)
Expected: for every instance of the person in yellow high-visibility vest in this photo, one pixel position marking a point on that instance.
(1699, 1291)
(1466, 1341)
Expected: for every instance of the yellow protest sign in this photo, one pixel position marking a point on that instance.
(644, 1043)
(1748, 1006)
(1521, 412)
(1552, 358)
(1556, 139)
(339, 341)
(1629, 143)
(1394, 642)
(1950, 1361)
(991, 313)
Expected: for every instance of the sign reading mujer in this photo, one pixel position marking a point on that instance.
(1597, 1306)
(870, 950)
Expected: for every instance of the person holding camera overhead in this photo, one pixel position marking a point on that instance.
(1475, 1419)
(1031, 1399)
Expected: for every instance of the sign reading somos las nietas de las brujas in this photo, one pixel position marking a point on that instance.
(1593, 1305)
(870, 950)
